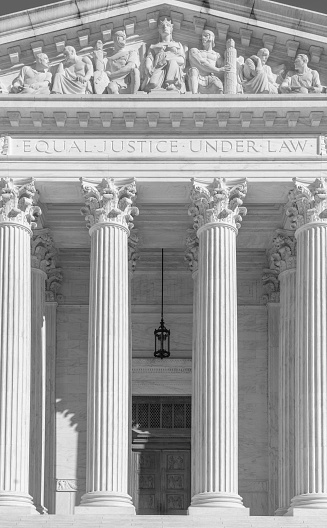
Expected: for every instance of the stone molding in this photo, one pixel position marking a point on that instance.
(105, 203)
(18, 203)
(152, 377)
(218, 203)
(192, 250)
(307, 203)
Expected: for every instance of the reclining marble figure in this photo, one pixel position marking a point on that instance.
(303, 79)
(73, 75)
(206, 67)
(165, 62)
(36, 80)
(255, 76)
(123, 67)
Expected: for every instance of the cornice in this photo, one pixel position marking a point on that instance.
(131, 116)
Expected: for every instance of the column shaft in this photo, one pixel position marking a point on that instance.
(38, 388)
(15, 357)
(286, 466)
(311, 368)
(108, 371)
(215, 383)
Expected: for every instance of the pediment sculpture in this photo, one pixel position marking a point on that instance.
(121, 67)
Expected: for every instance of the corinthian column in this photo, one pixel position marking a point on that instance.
(217, 216)
(17, 218)
(307, 209)
(282, 261)
(109, 214)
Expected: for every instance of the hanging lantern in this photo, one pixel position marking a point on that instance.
(162, 334)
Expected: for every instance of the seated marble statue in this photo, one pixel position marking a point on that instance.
(165, 62)
(34, 81)
(255, 76)
(73, 75)
(123, 67)
(303, 79)
(206, 67)
(100, 78)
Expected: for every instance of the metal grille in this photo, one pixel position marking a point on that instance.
(161, 413)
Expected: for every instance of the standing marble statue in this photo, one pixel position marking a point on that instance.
(123, 67)
(255, 76)
(165, 62)
(100, 78)
(34, 81)
(206, 67)
(303, 79)
(73, 75)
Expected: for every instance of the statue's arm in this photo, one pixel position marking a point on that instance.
(200, 62)
(131, 64)
(149, 60)
(316, 86)
(88, 68)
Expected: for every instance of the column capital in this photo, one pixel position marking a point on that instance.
(18, 202)
(271, 287)
(282, 254)
(106, 203)
(307, 203)
(44, 256)
(218, 203)
(192, 250)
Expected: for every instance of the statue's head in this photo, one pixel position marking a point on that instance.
(165, 26)
(120, 38)
(301, 61)
(208, 36)
(99, 45)
(42, 61)
(69, 52)
(263, 55)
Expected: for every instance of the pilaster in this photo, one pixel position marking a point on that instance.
(18, 214)
(217, 211)
(307, 209)
(109, 214)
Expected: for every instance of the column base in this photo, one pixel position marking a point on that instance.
(228, 503)
(308, 504)
(281, 511)
(105, 503)
(16, 503)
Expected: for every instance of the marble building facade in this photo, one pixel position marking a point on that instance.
(195, 128)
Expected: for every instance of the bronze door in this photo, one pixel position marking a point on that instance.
(161, 482)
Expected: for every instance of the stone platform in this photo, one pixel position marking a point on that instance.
(160, 521)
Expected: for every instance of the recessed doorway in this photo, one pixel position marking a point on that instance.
(160, 469)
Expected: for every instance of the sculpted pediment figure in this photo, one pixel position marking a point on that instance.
(34, 80)
(255, 76)
(165, 62)
(123, 67)
(73, 74)
(206, 67)
(302, 79)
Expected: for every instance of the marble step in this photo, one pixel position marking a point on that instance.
(112, 521)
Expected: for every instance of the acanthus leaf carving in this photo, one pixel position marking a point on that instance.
(107, 203)
(282, 255)
(44, 256)
(192, 250)
(271, 286)
(218, 202)
(18, 203)
(133, 254)
(307, 203)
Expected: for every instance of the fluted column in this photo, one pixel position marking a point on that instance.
(217, 213)
(282, 262)
(191, 257)
(17, 218)
(307, 209)
(109, 213)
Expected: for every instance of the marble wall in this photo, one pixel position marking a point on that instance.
(71, 371)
